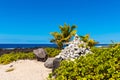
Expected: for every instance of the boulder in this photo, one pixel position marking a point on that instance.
(41, 54)
(56, 63)
(49, 63)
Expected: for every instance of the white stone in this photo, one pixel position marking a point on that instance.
(73, 51)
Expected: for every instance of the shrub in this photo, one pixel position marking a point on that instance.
(103, 64)
(52, 52)
(7, 58)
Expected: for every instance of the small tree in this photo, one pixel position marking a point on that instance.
(90, 42)
(66, 33)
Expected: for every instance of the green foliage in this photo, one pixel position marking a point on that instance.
(66, 33)
(103, 64)
(52, 52)
(86, 39)
(7, 58)
(113, 44)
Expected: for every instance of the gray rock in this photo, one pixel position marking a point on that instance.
(56, 63)
(41, 54)
(49, 63)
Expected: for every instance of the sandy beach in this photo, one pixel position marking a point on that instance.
(24, 70)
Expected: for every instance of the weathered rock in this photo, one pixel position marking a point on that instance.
(49, 63)
(41, 54)
(56, 63)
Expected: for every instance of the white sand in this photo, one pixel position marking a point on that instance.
(24, 70)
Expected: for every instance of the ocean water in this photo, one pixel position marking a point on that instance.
(37, 45)
(102, 45)
(26, 45)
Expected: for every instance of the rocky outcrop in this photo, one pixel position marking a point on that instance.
(41, 54)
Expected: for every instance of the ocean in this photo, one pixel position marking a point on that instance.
(26, 45)
(37, 45)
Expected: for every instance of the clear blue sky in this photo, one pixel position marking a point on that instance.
(31, 21)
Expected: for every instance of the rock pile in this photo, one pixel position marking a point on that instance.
(74, 49)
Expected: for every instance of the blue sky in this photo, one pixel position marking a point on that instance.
(31, 21)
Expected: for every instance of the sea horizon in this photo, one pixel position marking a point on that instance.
(16, 45)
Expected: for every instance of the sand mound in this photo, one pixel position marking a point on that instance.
(24, 70)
